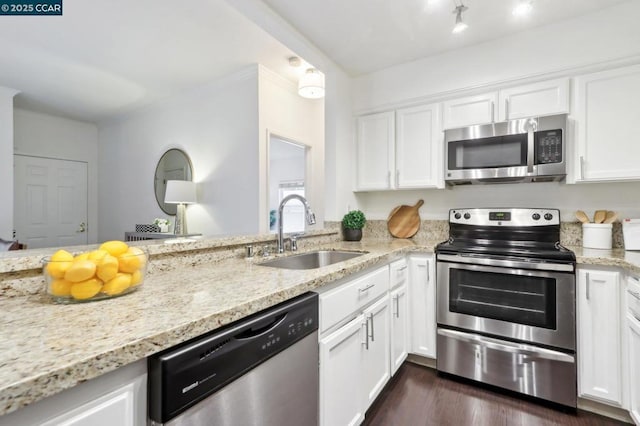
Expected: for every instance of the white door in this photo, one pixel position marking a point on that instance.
(419, 147)
(377, 363)
(50, 201)
(469, 111)
(599, 336)
(607, 109)
(341, 358)
(423, 305)
(376, 135)
(399, 327)
(535, 100)
(634, 367)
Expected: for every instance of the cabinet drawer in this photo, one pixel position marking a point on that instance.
(398, 273)
(342, 301)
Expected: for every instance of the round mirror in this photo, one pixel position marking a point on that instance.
(173, 165)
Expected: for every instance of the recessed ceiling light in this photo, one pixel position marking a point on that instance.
(524, 7)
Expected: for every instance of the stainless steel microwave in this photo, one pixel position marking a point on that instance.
(524, 150)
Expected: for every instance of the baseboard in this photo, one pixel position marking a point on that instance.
(605, 410)
(421, 360)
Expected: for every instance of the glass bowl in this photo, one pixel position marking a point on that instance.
(94, 275)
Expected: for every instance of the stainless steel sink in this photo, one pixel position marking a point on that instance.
(312, 259)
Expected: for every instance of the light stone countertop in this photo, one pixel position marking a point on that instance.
(46, 348)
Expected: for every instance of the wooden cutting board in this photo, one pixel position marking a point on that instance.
(404, 221)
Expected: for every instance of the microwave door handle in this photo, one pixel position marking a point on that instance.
(530, 146)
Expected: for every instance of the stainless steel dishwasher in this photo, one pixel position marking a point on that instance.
(261, 370)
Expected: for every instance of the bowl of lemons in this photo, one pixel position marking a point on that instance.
(114, 269)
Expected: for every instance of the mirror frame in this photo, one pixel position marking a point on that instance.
(170, 209)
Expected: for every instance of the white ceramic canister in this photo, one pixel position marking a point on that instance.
(597, 235)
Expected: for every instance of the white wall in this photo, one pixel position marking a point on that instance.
(563, 48)
(216, 126)
(282, 112)
(44, 135)
(6, 162)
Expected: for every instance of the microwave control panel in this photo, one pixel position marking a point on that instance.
(548, 146)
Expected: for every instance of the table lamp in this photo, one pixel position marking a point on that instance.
(180, 192)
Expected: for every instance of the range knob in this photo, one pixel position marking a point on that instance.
(535, 216)
(467, 216)
(457, 215)
(548, 216)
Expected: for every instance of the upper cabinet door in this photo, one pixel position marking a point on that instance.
(469, 111)
(607, 111)
(534, 100)
(375, 145)
(419, 147)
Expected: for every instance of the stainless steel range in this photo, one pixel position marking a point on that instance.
(506, 302)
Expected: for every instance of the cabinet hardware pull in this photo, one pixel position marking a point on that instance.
(397, 305)
(372, 333)
(506, 108)
(588, 280)
(363, 289)
(492, 112)
(634, 294)
(366, 333)
(402, 268)
(397, 177)
(428, 277)
(581, 167)
(389, 178)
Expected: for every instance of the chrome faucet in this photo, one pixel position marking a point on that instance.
(311, 218)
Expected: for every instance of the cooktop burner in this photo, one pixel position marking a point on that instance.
(512, 232)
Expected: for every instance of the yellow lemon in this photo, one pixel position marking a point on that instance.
(132, 260)
(60, 262)
(82, 256)
(97, 256)
(80, 270)
(117, 285)
(86, 289)
(60, 288)
(115, 248)
(107, 268)
(136, 277)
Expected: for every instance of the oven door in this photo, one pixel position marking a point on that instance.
(521, 300)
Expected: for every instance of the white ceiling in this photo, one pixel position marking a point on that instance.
(110, 56)
(363, 36)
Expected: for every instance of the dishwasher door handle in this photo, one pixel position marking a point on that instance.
(260, 329)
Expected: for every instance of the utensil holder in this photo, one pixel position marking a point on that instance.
(597, 235)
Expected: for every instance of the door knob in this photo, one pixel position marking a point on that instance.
(82, 227)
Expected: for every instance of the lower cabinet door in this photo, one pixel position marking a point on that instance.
(634, 368)
(341, 360)
(422, 288)
(377, 364)
(399, 327)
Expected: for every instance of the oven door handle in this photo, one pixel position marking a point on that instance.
(503, 263)
(504, 346)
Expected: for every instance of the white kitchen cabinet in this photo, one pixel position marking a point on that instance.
(633, 325)
(534, 100)
(607, 108)
(422, 288)
(341, 357)
(116, 398)
(469, 111)
(399, 327)
(376, 363)
(530, 100)
(375, 151)
(419, 143)
(599, 336)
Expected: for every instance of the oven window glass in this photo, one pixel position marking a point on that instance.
(520, 299)
(493, 152)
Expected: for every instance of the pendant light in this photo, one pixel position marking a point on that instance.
(459, 26)
(311, 84)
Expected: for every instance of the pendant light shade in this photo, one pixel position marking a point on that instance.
(311, 84)
(460, 25)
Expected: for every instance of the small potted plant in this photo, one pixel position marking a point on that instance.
(163, 224)
(352, 224)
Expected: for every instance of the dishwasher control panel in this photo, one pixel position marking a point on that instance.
(182, 376)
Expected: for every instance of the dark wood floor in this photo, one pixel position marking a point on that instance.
(418, 396)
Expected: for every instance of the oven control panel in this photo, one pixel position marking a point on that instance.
(505, 217)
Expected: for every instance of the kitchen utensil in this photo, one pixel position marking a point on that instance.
(582, 216)
(611, 217)
(404, 221)
(599, 216)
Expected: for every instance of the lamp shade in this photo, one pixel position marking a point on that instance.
(180, 192)
(311, 84)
